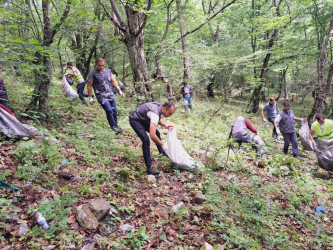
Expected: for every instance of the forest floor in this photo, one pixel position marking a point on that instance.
(245, 206)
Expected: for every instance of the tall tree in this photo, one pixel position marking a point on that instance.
(43, 74)
(130, 28)
(270, 36)
(186, 57)
(322, 90)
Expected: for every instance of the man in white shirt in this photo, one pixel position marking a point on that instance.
(145, 119)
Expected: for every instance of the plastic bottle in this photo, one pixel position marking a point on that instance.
(41, 220)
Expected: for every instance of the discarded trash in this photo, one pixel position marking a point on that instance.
(178, 155)
(178, 206)
(325, 157)
(23, 229)
(268, 205)
(41, 220)
(9, 186)
(304, 132)
(127, 228)
(29, 182)
(66, 176)
(320, 209)
(68, 90)
(318, 231)
(64, 161)
(11, 127)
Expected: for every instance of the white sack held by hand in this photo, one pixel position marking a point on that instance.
(178, 155)
(68, 90)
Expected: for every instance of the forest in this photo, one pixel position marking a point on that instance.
(86, 173)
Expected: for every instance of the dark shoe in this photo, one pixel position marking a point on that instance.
(117, 130)
(152, 170)
(84, 104)
(296, 156)
(275, 136)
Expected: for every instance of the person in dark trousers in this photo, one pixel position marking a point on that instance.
(271, 109)
(239, 133)
(187, 91)
(145, 119)
(3, 94)
(80, 82)
(286, 119)
(101, 79)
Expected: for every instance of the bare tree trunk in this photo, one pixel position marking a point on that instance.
(255, 98)
(129, 27)
(159, 68)
(186, 58)
(321, 91)
(43, 75)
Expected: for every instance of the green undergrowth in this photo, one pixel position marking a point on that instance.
(250, 207)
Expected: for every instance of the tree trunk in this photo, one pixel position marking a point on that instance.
(43, 75)
(321, 91)
(130, 30)
(186, 58)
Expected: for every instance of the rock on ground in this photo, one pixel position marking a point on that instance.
(86, 218)
(199, 198)
(100, 207)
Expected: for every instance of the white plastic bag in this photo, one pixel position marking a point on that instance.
(68, 90)
(11, 127)
(177, 154)
(304, 133)
(263, 149)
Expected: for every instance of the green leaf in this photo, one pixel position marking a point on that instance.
(33, 41)
(163, 237)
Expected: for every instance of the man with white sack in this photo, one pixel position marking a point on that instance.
(145, 119)
(322, 128)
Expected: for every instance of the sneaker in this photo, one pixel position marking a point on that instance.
(117, 130)
(152, 170)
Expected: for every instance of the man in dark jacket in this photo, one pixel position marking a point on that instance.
(100, 79)
(239, 132)
(145, 119)
(285, 119)
(3, 94)
(187, 91)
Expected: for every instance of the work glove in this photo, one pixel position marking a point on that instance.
(165, 147)
(121, 93)
(168, 126)
(278, 131)
(264, 119)
(91, 100)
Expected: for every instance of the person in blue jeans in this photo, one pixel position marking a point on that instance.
(286, 119)
(101, 79)
(187, 91)
(3, 94)
(271, 109)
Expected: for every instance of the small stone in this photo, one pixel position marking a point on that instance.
(97, 237)
(261, 164)
(100, 207)
(208, 246)
(196, 220)
(90, 246)
(190, 176)
(127, 228)
(86, 218)
(77, 179)
(151, 179)
(23, 229)
(285, 170)
(199, 198)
